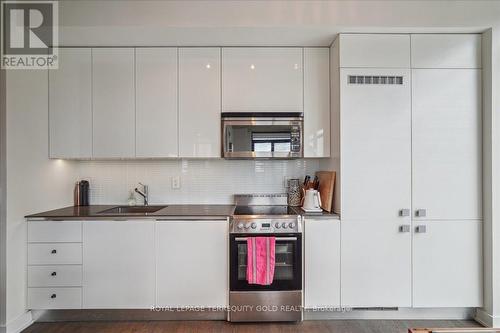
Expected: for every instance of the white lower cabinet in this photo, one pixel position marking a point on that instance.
(118, 264)
(55, 276)
(54, 298)
(376, 264)
(192, 263)
(447, 264)
(54, 265)
(321, 263)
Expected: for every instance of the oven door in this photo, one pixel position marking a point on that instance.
(262, 137)
(288, 263)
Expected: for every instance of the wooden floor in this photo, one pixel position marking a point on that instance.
(320, 326)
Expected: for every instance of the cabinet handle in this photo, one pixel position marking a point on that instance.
(53, 296)
(404, 228)
(421, 213)
(53, 274)
(54, 251)
(421, 229)
(404, 212)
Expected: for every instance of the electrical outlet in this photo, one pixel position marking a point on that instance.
(176, 182)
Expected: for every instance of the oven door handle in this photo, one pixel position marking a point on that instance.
(278, 239)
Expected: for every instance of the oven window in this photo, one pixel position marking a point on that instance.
(284, 261)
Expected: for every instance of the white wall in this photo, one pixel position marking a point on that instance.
(202, 181)
(34, 183)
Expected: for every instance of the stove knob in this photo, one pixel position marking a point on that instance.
(254, 225)
(291, 225)
(240, 226)
(247, 225)
(277, 225)
(283, 225)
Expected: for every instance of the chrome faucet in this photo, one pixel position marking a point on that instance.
(144, 193)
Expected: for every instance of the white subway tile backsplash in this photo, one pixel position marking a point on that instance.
(202, 181)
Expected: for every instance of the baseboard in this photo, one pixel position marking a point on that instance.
(20, 323)
(124, 315)
(486, 319)
(395, 314)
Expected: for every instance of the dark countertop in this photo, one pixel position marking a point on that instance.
(94, 212)
(322, 215)
(171, 211)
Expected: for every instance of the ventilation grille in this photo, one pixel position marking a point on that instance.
(374, 79)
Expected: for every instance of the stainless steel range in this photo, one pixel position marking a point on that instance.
(266, 215)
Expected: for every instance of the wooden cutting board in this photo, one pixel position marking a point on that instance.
(326, 188)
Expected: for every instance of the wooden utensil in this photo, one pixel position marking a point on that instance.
(326, 187)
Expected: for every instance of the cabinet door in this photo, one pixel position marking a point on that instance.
(118, 264)
(156, 102)
(446, 51)
(113, 102)
(376, 264)
(316, 102)
(375, 50)
(199, 102)
(70, 105)
(376, 145)
(322, 263)
(447, 264)
(447, 148)
(262, 79)
(192, 263)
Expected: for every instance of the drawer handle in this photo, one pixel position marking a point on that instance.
(421, 229)
(53, 274)
(54, 251)
(404, 228)
(53, 296)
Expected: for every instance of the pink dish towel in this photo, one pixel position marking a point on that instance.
(260, 260)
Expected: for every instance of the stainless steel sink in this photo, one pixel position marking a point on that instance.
(131, 210)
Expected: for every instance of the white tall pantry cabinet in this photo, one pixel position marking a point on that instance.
(447, 177)
(410, 169)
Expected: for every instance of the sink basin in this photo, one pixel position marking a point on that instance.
(132, 210)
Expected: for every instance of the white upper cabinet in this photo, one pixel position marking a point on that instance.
(316, 102)
(262, 79)
(113, 90)
(118, 264)
(376, 144)
(156, 102)
(446, 51)
(322, 263)
(199, 102)
(447, 143)
(70, 105)
(374, 50)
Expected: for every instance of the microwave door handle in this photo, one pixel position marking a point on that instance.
(278, 239)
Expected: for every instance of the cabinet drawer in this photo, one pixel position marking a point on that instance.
(54, 253)
(54, 298)
(55, 276)
(54, 231)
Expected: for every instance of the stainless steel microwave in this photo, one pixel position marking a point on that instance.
(262, 135)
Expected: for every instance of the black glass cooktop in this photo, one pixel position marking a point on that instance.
(264, 210)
